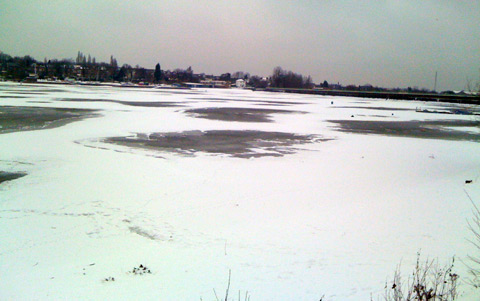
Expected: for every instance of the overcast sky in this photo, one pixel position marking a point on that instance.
(384, 43)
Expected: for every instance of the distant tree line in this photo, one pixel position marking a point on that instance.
(83, 67)
(15, 67)
(371, 88)
(288, 79)
(86, 68)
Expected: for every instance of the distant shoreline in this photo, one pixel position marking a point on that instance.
(451, 98)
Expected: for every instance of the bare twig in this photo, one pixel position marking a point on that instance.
(474, 227)
(228, 287)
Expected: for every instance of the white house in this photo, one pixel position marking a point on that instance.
(240, 83)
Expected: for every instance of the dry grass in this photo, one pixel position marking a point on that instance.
(428, 281)
(474, 264)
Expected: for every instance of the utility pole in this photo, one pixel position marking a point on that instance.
(435, 86)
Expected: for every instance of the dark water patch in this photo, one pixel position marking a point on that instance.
(87, 100)
(180, 92)
(10, 176)
(374, 115)
(274, 102)
(13, 119)
(452, 110)
(270, 105)
(239, 144)
(237, 114)
(286, 103)
(432, 129)
(372, 108)
(52, 90)
(13, 96)
(166, 91)
(26, 92)
(40, 91)
(218, 99)
(150, 104)
(250, 100)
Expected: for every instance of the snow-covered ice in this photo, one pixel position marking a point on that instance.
(332, 217)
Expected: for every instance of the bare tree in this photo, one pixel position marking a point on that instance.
(472, 86)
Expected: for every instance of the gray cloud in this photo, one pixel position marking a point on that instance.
(386, 43)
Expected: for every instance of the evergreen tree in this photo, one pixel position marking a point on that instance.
(80, 58)
(113, 62)
(120, 75)
(158, 73)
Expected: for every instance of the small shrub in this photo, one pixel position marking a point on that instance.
(429, 281)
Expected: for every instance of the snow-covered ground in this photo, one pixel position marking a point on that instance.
(334, 217)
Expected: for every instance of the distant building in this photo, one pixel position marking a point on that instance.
(240, 83)
(215, 83)
(32, 78)
(195, 85)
